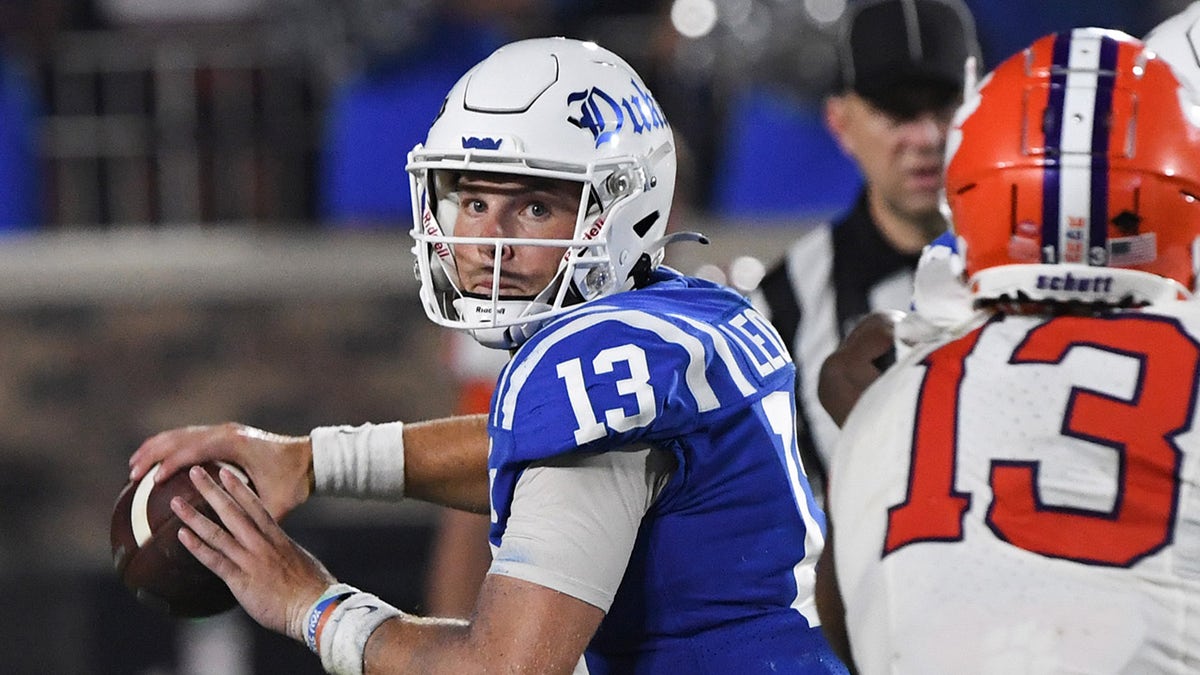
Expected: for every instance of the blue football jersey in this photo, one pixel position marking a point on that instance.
(721, 575)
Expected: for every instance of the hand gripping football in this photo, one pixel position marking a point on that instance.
(147, 553)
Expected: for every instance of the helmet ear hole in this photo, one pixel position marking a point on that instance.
(641, 227)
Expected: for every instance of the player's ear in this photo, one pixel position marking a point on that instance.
(837, 121)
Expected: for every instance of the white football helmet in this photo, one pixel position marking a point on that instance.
(553, 108)
(1176, 40)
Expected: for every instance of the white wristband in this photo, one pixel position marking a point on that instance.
(344, 638)
(363, 461)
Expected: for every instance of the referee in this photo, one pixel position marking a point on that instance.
(902, 75)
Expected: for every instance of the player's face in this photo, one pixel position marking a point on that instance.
(494, 205)
(901, 159)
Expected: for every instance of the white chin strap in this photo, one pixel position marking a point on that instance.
(477, 314)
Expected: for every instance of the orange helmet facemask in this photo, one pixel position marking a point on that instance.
(1073, 172)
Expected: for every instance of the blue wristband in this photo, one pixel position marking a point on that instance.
(330, 597)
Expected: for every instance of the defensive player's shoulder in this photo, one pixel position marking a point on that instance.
(1186, 311)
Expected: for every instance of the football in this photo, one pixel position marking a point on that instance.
(148, 556)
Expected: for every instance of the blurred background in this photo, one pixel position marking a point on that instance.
(203, 217)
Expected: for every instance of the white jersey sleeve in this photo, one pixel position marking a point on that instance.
(564, 505)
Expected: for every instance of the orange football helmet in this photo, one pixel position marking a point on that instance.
(1073, 172)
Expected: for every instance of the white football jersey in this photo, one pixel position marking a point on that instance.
(1023, 499)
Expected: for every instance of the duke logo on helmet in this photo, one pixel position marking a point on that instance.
(604, 116)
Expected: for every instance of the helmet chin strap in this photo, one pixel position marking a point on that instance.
(480, 312)
(494, 338)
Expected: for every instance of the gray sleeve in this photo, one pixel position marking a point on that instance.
(575, 518)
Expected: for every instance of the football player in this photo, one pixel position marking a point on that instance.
(1018, 494)
(649, 512)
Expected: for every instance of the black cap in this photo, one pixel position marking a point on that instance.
(905, 56)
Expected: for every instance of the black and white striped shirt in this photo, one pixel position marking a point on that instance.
(830, 278)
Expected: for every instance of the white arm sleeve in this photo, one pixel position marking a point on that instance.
(363, 461)
(575, 518)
